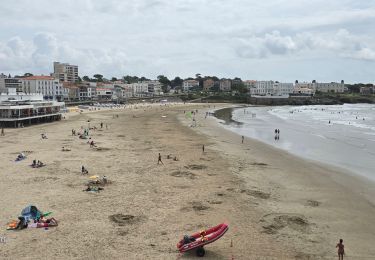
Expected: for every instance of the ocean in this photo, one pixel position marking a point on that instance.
(340, 135)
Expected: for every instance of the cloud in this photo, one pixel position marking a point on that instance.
(38, 55)
(149, 37)
(340, 44)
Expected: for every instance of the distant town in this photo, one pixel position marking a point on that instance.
(65, 84)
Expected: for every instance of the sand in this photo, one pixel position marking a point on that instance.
(277, 205)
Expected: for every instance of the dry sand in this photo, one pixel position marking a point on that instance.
(278, 206)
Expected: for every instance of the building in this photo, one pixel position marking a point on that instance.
(65, 72)
(250, 85)
(330, 87)
(282, 89)
(323, 87)
(104, 93)
(72, 90)
(367, 90)
(7, 82)
(269, 88)
(263, 88)
(208, 84)
(154, 87)
(19, 109)
(188, 84)
(225, 85)
(48, 86)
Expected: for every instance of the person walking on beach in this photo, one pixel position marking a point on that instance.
(101, 124)
(203, 148)
(243, 138)
(340, 250)
(2, 131)
(159, 159)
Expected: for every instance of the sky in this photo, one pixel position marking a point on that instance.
(284, 40)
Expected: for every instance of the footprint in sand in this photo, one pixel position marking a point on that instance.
(274, 222)
(257, 193)
(185, 174)
(196, 167)
(122, 220)
(196, 206)
(312, 203)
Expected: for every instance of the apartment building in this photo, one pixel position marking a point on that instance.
(208, 84)
(65, 72)
(225, 85)
(48, 86)
(189, 84)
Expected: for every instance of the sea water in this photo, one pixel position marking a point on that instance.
(341, 135)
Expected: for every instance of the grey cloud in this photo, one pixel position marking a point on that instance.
(179, 37)
(342, 44)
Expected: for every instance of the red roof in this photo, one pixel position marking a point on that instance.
(39, 78)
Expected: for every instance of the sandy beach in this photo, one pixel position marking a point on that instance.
(278, 206)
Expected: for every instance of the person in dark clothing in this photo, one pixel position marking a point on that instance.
(159, 159)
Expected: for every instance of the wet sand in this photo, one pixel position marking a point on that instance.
(277, 206)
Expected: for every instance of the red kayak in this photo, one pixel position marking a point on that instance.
(200, 239)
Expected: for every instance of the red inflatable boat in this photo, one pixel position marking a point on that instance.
(200, 239)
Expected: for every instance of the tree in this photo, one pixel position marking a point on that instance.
(86, 78)
(176, 82)
(114, 79)
(79, 79)
(130, 79)
(99, 77)
(165, 82)
(27, 74)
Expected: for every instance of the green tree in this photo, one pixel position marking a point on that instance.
(114, 79)
(98, 77)
(176, 82)
(165, 82)
(27, 74)
(130, 79)
(86, 78)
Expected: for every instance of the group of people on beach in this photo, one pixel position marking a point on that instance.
(277, 134)
(37, 164)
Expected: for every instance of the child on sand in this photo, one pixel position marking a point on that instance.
(340, 250)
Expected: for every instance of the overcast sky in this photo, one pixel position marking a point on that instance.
(285, 40)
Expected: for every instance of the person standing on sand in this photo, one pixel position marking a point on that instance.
(2, 131)
(340, 250)
(159, 159)
(203, 148)
(101, 124)
(243, 138)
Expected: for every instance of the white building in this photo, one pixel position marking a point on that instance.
(104, 93)
(190, 83)
(18, 109)
(263, 88)
(139, 89)
(65, 72)
(48, 86)
(269, 88)
(282, 89)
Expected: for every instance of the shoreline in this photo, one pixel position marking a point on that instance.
(226, 115)
(320, 184)
(277, 206)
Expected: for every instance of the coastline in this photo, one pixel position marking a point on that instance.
(278, 206)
